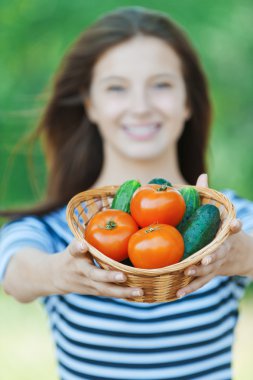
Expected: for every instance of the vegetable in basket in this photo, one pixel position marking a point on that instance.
(109, 231)
(123, 196)
(157, 204)
(155, 246)
(192, 202)
(200, 229)
(160, 181)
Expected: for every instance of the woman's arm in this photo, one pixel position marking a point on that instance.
(233, 258)
(31, 274)
(28, 275)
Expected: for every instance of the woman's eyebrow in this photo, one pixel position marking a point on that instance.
(121, 78)
(112, 77)
(164, 75)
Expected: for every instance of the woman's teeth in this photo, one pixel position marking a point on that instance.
(142, 132)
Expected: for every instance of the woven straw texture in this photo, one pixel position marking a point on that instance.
(159, 285)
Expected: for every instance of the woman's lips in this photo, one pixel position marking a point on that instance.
(142, 132)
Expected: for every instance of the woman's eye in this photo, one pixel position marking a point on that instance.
(115, 88)
(162, 85)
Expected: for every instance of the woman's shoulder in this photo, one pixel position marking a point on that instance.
(238, 200)
(52, 217)
(53, 224)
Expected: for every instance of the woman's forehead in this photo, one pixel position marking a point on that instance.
(143, 54)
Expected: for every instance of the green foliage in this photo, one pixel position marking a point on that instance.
(35, 35)
(26, 348)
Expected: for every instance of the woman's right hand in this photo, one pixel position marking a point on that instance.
(73, 271)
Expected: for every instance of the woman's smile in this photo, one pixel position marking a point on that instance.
(143, 131)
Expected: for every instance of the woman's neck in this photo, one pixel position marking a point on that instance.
(118, 168)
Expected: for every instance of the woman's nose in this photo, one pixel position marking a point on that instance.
(140, 101)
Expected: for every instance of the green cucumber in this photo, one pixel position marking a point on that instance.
(160, 181)
(192, 202)
(200, 229)
(123, 196)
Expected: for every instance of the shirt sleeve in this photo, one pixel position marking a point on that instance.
(244, 210)
(25, 232)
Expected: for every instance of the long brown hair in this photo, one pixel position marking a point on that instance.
(73, 145)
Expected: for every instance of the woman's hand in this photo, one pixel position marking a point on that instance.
(231, 258)
(75, 272)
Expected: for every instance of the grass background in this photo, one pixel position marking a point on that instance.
(34, 36)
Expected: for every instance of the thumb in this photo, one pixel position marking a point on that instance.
(77, 248)
(202, 180)
(235, 226)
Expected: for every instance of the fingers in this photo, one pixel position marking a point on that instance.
(203, 270)
(101, 282)
(219, 254)
(208, 268)
(87, 268)
(194, 285)
(101, 275)
(210, 263)
(107, 290)
(82, 276)
(114, 291)
(77, 248)
(202, 180)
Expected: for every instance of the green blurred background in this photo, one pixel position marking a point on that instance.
(34, 36)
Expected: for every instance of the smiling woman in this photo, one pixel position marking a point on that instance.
(129, 101)
(141, 108)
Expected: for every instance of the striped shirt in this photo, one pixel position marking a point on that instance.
(105, 338)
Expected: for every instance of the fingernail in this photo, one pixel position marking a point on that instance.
(191, 272)
(82, 246)
(119, 277)
(137, 293)
(207, 260)
(236, 223)
(181, 294)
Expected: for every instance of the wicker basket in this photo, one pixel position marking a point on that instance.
(159, 285)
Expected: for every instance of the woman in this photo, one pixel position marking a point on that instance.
(130, 101)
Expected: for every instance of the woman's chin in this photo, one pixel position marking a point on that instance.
(143, 154)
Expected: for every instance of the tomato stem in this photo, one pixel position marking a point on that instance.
(151, 229)
(110, 225)
(163, 188)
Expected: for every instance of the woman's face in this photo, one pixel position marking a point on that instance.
(138, 97)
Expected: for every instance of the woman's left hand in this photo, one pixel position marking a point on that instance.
(225, 261)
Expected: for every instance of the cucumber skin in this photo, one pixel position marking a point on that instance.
(200, 229)
(192, 202)
(123, 196)
(160, 181)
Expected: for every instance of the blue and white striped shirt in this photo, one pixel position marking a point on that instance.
(103, 338)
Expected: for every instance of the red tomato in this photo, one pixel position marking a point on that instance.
(157, 204)
(109, 232)
(155, 246)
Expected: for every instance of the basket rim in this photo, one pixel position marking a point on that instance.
(110, 190)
